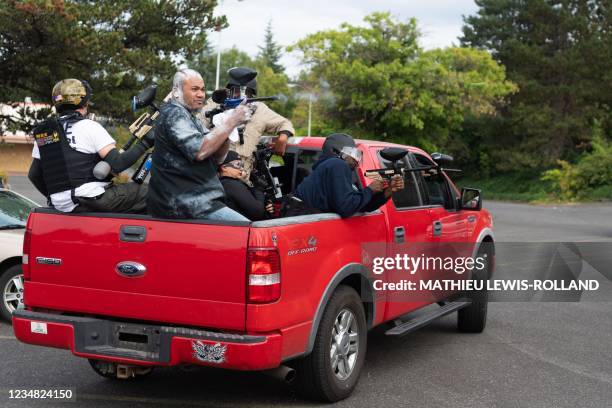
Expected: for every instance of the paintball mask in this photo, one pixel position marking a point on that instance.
(352, 152)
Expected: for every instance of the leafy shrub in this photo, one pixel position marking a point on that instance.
(592, 171)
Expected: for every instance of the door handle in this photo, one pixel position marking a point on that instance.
(399, 235)
(437, 228)
(132, 233)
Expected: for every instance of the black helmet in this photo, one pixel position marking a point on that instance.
(335, 142)
(242, 76)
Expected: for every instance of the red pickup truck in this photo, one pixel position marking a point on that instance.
(292, 296)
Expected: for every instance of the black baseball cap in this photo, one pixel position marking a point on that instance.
(231, 156)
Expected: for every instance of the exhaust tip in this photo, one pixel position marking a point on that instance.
(290, 376)
(282, 373)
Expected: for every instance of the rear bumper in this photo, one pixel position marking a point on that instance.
(148, 345)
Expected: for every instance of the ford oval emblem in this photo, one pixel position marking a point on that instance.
(130, 269)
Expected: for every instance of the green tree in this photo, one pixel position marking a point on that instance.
(269, 83)
(385, 86)
(559, 52)
(590, 176)
(119, 46)
(206, 64)
(270, 53)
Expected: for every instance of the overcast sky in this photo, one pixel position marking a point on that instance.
(439, 20)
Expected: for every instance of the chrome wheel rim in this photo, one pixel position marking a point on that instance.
(344, 344)
(12, 294)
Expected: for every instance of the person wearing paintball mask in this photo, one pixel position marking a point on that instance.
(263, 122)
(330, 186)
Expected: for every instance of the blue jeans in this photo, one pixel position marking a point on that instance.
(226, 214)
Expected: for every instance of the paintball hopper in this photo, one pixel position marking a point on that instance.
(393, 154)
(241, 76)
(144, 98)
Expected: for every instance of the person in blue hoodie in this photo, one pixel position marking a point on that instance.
(330, 186)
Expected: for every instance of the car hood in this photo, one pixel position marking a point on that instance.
(11, 243)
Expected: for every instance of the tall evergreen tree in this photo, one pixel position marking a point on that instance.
(119, 46)
(270, 53)
(559, 52)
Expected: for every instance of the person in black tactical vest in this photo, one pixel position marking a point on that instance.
(67, 148)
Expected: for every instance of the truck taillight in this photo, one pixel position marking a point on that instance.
(264, 275)
(25, 258)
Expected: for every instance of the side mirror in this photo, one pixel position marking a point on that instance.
(471, 199)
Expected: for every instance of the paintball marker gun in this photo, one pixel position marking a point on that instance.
(396, 154)
(221, 97)
(138, 129)
(261, 177)
(146, 121)
(240, 78)
(143, 125)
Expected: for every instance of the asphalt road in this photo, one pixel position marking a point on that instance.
(23, 186)
(530, 355)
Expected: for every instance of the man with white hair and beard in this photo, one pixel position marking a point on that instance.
(184, 181)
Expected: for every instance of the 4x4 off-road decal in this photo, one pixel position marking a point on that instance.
(304, 246)
(209, 353)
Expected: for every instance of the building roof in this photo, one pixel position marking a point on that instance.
(11, 109)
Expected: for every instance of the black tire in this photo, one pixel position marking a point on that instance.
(315, 377)
(6, 283)
(473, 319)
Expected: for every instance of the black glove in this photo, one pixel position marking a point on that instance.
(148, 140)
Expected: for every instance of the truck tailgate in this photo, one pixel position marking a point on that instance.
(195, 272)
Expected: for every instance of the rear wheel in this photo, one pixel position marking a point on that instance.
(11, 285)
(331, 371)
(473, 319)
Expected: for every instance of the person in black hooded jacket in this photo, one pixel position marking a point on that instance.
(330, 186)
(246, 200)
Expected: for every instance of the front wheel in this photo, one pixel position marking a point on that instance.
(11, 284)
(331, 371)
(473, 319)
